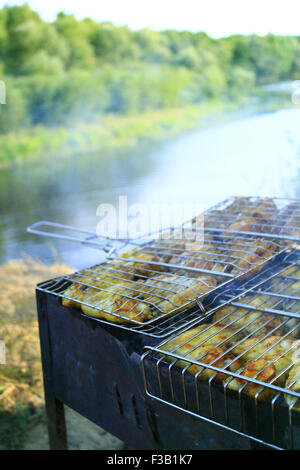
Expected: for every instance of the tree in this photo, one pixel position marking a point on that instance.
(29, 39)
(153, 46)
(240, 82)
(113, 43)
(189, 58)
(43, 63)
(76, 35)
(271, 56)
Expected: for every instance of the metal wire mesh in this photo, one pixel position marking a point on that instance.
(167, 275)
(271, 217)
(239, 366)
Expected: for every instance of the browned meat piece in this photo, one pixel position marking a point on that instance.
(244, 214)
(118, 303)
(172, 293)
(289, 217)
(105, 274)
(248, 254)
(215, 219)
(264, 208)
(293, 381)
(168, 249)
(249, 224)
(143, 267)
(197, 255)
(250, 321)
(207, 344)
(267, 360)
(259, 370)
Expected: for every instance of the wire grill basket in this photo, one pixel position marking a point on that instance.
(167, 277)
(239, 366)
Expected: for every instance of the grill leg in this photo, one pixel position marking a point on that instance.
(56, 423)
(54, 408)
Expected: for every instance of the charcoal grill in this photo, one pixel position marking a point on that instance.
(126, 378)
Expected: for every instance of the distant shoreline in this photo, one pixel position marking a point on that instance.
(110, 132)
(107, 132)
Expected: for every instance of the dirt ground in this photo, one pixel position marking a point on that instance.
(82, 435)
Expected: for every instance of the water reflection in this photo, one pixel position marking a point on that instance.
(259, 155)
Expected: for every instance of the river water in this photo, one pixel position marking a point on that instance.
(256, 155)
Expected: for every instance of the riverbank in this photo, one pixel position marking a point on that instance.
(108, 132)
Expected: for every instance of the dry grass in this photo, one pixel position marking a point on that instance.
(21, 390)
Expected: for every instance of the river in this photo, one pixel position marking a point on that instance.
(252, 155)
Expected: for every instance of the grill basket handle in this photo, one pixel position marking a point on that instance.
(87, 237)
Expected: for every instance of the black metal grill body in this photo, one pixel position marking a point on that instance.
(96, 370)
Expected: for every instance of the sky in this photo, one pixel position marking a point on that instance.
(215, 17)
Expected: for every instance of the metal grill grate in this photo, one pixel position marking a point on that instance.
(80, 290)
(239, 366)
(168, 273)
(270, 217)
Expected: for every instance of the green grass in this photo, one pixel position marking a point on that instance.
(14, 423)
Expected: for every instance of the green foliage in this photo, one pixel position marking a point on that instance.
(152, 46)
(295, 67)
(76, 34)
(108, 132)
(43, 63)
(271, 57)
(240, 81)
(188, 58)
(112, 44)
(72, 71)
(13, 114)
(13, 423)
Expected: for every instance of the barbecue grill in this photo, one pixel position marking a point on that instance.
(202, 340)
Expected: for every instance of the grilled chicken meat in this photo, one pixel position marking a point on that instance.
(248, 215)
(112, 272)
(115, 289)
(198, 255)
(214, 219)
(266, 360)
(172, 293)
(141, 301)
(207, 344)
(105, 274)
(256, 322)
(251, 254)
(247, 224)
(146, 264)
(258, 370)
(293, 382)
(121, 300)
(289, 217)
(264, 209)
(256, 216)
